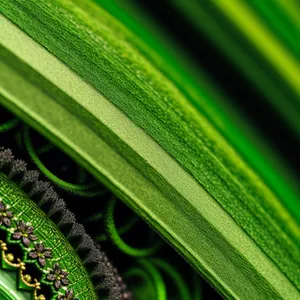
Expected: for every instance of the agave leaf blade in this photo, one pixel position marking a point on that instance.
(138, 170)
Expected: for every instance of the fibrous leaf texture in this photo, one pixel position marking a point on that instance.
(81, 78)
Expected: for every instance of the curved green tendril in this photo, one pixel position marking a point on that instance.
(9, 125)
(132, 221)
(151, 277)
(78, 189)
(114, 235)
(183, 291)
(160, 286)
(138, 272)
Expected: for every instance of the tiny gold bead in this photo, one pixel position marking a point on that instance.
(38, 285)
(10, 257)
(27, 278)
(41, 297)
(3, 246)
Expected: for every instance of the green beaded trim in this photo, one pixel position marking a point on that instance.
(43, 245)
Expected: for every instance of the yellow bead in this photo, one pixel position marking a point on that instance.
(10, 257)
(27, 278)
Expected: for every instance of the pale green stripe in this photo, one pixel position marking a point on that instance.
(263, 40)
(183, 199)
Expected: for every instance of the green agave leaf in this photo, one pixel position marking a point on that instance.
(136, 132)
